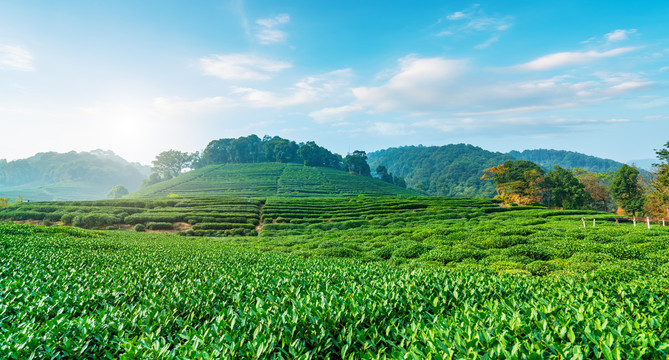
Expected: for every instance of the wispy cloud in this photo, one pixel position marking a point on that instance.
(619, 35)
(487, 43)
(560, 59)
(474, 19)
(268, 32)
(308, 90)
(241, 67)
(14, 57)
(335, 114)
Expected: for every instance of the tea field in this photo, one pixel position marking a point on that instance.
(331, 278)
(270, 179)
(72, 293)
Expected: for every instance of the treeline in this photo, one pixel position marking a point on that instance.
(524, 182)
(252, 149)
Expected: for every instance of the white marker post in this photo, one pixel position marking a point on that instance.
(583, 219)
(593, 222)
(648, 221)
(634, 221)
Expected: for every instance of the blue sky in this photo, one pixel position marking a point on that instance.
(141, 77)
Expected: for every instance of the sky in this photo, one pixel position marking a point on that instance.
(141, 77)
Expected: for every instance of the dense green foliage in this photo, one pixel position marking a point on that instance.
(520, 283)
(252, 149)
(626, 189)
(548, 159)
(565, 189)
(451, 170)
(68, 176)
(269, 179)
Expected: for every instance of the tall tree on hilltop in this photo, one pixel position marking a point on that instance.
(170, 163)
(625, 188)
(356, 163)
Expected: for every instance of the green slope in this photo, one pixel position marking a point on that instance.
(270, 179)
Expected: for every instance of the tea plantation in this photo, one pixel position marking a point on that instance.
(270, 179)
(331, 278)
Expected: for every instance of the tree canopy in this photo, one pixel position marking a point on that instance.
(627, 191)
(118, 192)
(565, 190)
(170, 163)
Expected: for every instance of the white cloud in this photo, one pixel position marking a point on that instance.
(619, 35)
(308, 90)
(419, 83)
(440, 88)
(268, 34)
(15, 57)
(272, 22)
(457, 15)
(335, 114)
(555, 60)
(241, 67)
(385, 128)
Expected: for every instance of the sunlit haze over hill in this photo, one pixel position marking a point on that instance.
(141, 77)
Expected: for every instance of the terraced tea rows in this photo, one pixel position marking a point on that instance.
(69, 293)
(270, 179)
(200, 217)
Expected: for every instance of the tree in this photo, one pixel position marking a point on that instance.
(118, 192)
(595, 184)
(521, 182)
(356, 163)
(399, 181)
(625, 188)
(383, 174)
(170, 163)
(565, 190)
(659, 183)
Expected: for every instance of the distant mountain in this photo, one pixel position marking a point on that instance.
(547, 159)
(270, 179)
(450, 170)
(68, 176)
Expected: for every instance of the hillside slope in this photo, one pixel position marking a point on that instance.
(68, 176)
(270, 179)
(450, 170)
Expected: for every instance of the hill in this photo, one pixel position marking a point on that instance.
(456, 170)
(270, 179)
(68, 176)
(547, 159)
(450, 170)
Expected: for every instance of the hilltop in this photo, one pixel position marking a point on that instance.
(270, 179)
